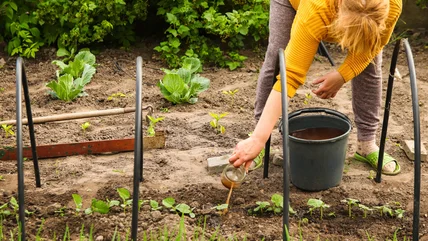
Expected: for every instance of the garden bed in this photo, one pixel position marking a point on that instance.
(179, 170)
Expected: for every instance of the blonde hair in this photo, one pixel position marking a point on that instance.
(359, 24)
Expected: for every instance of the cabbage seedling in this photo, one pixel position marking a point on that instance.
(125, 195)
(365, 209)
(399, 213)
(8, 130)
(231, 93)
(1, 178)
(155, 205)
(214, 123)
(317, 204)
(185, 209)
(85, 126)
(262, 206)
(77, 201)
(350, 202)
(169, 203)
(221, 207)
(153, 122)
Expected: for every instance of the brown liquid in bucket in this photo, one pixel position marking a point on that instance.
(317, 133)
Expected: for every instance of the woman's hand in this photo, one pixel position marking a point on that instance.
(245, 152)
(330, 84)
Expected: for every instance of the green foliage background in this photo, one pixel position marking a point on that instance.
(212, 30)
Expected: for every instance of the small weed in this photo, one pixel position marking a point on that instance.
(350, 202)
(1, 178)
(61, 211)
(215, 122)
(261, 206)
(85, 126)
(164, 110)
(155, 205)
(231, 93)
(308, 97)
(372, 175)
(8, 130)
(116, 96)
(317, 204)
(221, 207)
(152, 125)
(119, 171)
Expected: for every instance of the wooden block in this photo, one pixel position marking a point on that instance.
(409, 149)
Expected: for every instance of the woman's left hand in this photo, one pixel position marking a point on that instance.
(330, 84)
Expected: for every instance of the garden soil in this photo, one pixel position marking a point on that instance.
(180, 169)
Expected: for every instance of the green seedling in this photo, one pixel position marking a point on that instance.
(385, 209)
(169, 202)
(85, 126)
(119, 171)
(152, 124)
(155, 205)
(231, 93)
(221, 207)
(261, 206)
(185, 209)
(78, 202)
(365, 209)
(164, 110)
(4, 211)
(125, 195)
(1, 178)
(399, 213)
(215, 122)
(308, 97)
(372, 175)
(317, 204)
(113, 203)
(1, 89)
(61, 211)
(8, 130)
(350, 202)
(140, 204)
(116, 96)
(98, 206)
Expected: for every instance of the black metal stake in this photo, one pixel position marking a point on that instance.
(138, 146)
(322, 50)
(266, 159)
(417, 140)
(19, 144)
(386, 112)
(31, 126)
(286, 179)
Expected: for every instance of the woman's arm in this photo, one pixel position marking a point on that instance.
(248, 149)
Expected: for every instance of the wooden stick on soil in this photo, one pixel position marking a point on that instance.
(71, 116)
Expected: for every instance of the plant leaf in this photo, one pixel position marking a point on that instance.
(192, 64)
(173, 83)
(100, 206)
(168, 202)
(123, 193)
(86, 57)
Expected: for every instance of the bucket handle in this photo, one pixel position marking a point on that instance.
(317, 110)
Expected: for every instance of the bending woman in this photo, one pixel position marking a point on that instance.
(363, 28)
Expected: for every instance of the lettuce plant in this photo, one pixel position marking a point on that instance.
(72, 77)
(183, 85)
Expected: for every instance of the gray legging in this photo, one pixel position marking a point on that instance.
(366, 87)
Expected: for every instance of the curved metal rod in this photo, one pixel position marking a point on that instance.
(137, 149)
(19, 145)
(417, 140)
(286, 179)
(387, 108)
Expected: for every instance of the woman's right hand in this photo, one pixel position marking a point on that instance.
(245, 152)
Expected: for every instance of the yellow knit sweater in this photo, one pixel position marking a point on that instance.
(309, 28)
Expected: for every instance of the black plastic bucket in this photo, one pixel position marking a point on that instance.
(317, 164)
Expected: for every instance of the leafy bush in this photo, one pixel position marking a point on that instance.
(422, 3)
(19, 28)
(196, 27)
(73, 77)
(183, 85)
(75, 23)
